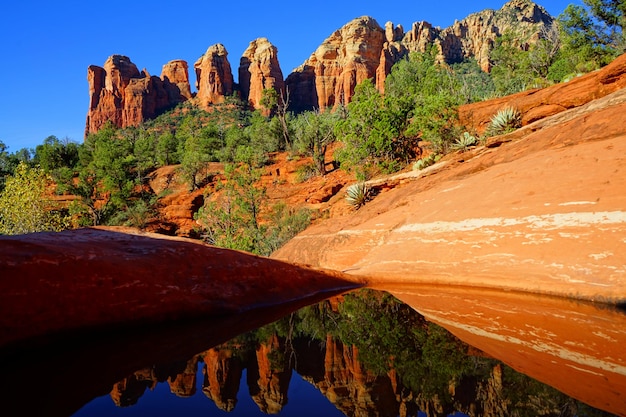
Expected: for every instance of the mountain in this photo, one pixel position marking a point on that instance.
(359, 50)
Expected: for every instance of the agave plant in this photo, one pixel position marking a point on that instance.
(426, 162)
(358, 194)
(464, 142)
(506, 120)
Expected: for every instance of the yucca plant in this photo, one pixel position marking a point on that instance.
(506, 120)
(358, 194)
(426, 162)
(464, 142)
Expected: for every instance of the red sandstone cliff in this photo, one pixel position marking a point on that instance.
(214, 77)
(359, 50)
(119, 93)
(259, 70)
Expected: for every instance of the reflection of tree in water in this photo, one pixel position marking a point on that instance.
(370, 354)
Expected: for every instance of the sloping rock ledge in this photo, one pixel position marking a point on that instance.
(106, 277)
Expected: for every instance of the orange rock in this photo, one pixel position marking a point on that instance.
(259, 70)
(543, 213)
(214, 77)
(122, 95)
(537, 104)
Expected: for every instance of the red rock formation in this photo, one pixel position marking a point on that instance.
(214, 77)
(183, 384)
(120, 94)
(259, 70)
(544, 213)
(175, 75)
(362, 49)
(346, 58)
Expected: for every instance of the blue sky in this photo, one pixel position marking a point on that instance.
(47, 46)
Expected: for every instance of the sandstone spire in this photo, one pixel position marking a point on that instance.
(119, 93)
(214, 77)
(259, 70)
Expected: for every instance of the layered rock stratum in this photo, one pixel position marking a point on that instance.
(361, 49)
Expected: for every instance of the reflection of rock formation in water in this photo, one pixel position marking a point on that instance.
(183, 384)
(401, 383)
(351, 387)
(269, 376)
(222, 374)
(130, 389)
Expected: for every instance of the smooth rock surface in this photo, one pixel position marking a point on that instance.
(544, 212)
(92, 278)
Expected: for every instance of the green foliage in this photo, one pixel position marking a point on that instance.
(369, 130)
(592, 34)
(313, 133)
(24, 207)
(464, 142)
(55, 154)
(474, 83)
(231, 219)
(283, 224)
(423, 97)
(506, 120)
(358, 194)
(305, 172)
(426, 162)
(511, 70)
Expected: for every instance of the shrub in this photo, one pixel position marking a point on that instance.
(506, 120)
(426, 162)
(358, 194)
(464, 142)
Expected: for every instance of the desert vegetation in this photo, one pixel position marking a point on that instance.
(412, 124)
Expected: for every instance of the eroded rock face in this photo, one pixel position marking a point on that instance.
(119, 93)
(543, 213)
(214, 77)
(346, 58)
(177, 74)
(259, 70)
(359, 50)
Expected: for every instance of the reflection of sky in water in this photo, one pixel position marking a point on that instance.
(304, 400)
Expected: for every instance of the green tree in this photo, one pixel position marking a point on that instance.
(24, 207)
(368, 132)
(511, 70)
(54, 154)
(166, 149)
(232, 218)
(314, 132)
(592, 35)
(474, 83)
(424, 96)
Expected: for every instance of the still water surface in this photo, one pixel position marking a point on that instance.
(374, 353)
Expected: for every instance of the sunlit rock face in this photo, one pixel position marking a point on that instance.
(542, 213)
(121, 94)
(362, 49)
(214, 77)
(347, 57)
(259, 70)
